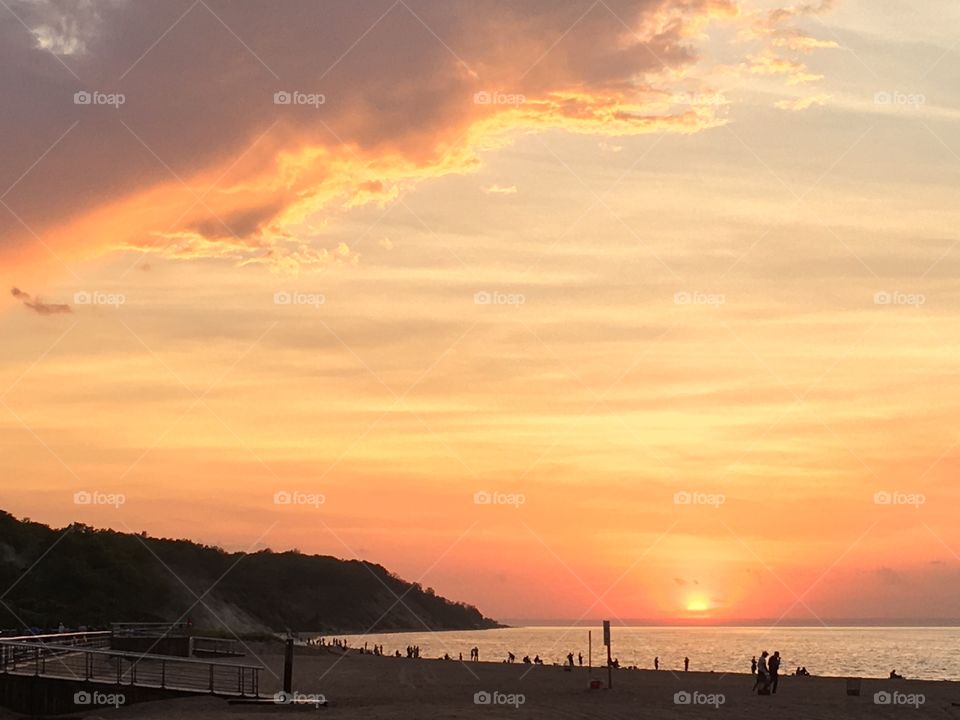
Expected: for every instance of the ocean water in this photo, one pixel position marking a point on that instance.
(931, 653)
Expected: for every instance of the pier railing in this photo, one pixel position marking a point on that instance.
(149, 629)
(79, 662)
(91, 639)
(216, 647)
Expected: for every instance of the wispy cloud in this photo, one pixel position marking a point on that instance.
(39, 306)
(500, 189)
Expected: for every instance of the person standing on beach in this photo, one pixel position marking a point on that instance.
(686, 664)
(753, 665)
(774, 666)
(580, 658)
(761, 683)
(656, 663)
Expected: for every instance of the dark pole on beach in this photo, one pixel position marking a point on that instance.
(589, 649)
(288, 667)
(606, 641)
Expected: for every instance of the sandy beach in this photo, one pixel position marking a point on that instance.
(369, 687)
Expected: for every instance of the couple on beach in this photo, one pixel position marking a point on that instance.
(767, 672)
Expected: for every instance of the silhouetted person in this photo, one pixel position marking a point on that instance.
(774, 666)
(580, 659)
(762, 683)
(537, 660)
(570, 659)
(753, 666)
(686, 664)
(511, 657)
(895, 676)
(656, 663)
(526, 659)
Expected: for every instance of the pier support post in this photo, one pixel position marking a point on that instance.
(288, 667)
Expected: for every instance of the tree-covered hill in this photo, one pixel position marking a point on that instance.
(82, 576)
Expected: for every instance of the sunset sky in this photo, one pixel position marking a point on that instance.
(672, 282)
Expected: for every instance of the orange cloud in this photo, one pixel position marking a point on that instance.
(201, 159)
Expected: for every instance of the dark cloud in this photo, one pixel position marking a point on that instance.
(37, 305)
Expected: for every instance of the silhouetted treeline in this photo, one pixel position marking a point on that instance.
(91, 577)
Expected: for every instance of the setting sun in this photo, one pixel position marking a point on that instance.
(697, 604)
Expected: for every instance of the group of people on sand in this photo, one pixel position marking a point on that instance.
(686, 664)
(570, 659)
(767, 672)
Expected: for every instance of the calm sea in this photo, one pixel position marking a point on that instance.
(916, 652)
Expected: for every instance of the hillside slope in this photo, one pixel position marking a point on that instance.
(94, 577)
